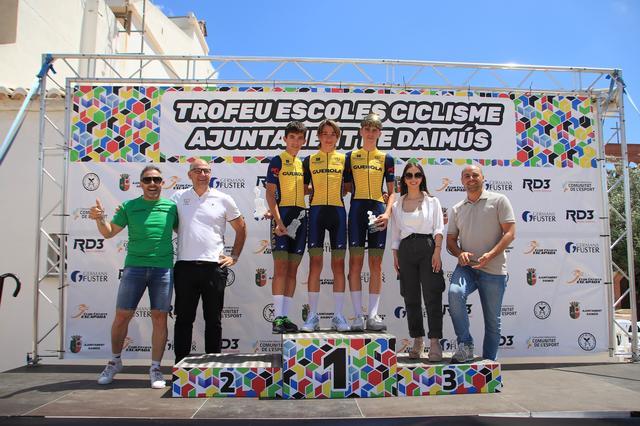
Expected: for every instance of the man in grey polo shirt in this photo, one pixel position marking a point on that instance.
(481, 227)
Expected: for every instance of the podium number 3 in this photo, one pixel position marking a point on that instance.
(336, 361)
(449, 380)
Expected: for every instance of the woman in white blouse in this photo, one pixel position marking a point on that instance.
(417, 228)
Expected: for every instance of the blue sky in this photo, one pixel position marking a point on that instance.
(589, 33)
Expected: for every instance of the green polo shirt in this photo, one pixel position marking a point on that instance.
(151, 226)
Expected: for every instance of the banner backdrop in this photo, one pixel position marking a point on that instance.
(540, 151)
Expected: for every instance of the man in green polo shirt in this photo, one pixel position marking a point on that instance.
(148, 265)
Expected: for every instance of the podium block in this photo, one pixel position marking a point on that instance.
(416, 378)
(338, 365)
(228, 375)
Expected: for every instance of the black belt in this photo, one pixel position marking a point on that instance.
(198, 262)
(418, 237)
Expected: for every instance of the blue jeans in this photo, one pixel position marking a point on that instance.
(464, 281)
(136, 279)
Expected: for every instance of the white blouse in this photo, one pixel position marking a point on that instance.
(402, 225)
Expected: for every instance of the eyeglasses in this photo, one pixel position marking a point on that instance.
(148, 179)
(327, 134)
(410, 175)
(203, 171)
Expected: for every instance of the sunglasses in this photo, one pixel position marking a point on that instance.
(203, 171)
(410, 175)
(148, 179)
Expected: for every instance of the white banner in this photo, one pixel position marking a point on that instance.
(232, 123)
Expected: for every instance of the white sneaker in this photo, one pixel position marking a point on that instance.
(109, 372)
(340, 324)
(358, 323)
(156, 378)
(311, 324)
(375, 324)
(463, 354)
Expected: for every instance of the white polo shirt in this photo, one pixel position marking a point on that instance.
(202, 223)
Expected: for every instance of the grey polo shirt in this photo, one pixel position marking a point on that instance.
(478, 227)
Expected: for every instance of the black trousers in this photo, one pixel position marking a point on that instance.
(417, 276)
(193, 280)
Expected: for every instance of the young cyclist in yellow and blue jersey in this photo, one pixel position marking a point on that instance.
(325, 170)
(285, 196)
(367, 169)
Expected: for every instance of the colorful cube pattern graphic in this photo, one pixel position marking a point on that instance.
(330, 365)
(121, 124)
(334, 365)
(417, 379)
(228, 375)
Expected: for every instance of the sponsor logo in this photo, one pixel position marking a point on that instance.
(574, 310)
(171, 346)
(508, 311)
(326, 281)
(448, 345)
(587, 341)
(267, 346)
(269, 312)
(262, 247)
(445, 308)
(506, 342)
(124, 183)
(89, 245)
(537, 185)
(261, 181)
(174, 182)
(261, 277)
(91, 181)
(122, 246)
(81, 213)
(75, 344)
(535, 249)
(130, 347)
(231, 312)
(142, 312)
(89, 277)
(230, 345)
(532, 278)
(578, 186)
(400, 312)
(227, 183)
(231, 277)
(542, 342)
(581, 248)
(82, 312)
(542, 310)
(529, 216)
(449, 186)
(366, 276)
(580, 216)
(578, 276)
(498, 185)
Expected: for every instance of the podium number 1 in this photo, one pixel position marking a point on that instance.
(336, 361)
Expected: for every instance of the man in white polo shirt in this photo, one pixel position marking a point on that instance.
(481, 227)
(201, 267)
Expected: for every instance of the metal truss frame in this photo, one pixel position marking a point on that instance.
(604, 86)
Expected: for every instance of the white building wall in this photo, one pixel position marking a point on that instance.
(60, 26)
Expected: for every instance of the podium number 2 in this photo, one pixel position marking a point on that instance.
(336, 361)
(449, 380)
(227, 386)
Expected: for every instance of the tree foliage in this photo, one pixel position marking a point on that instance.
(618, 225)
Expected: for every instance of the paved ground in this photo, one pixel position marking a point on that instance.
(601, 390)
